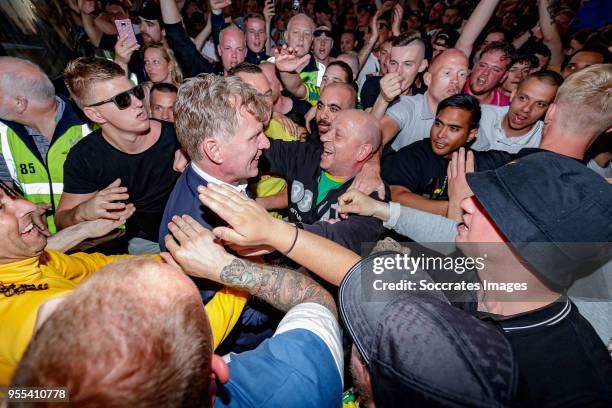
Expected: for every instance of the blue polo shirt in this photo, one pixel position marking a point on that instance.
(300, 366)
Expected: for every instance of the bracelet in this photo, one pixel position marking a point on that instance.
(294, 240)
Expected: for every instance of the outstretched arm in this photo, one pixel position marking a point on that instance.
(269, 13)
(551, 37)
(282, 288)
(195, 250)
(288, 65)
(86, 8)
(365, 51)
(405, 197)
(188, 56)
(252, 225)
(474, 26)
(70, 237)
(204, 34)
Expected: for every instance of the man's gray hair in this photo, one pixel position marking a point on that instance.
(210, 106)
(300, 16)
(17, 81)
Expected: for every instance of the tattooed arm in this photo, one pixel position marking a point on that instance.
(280, 287)
(195, 250)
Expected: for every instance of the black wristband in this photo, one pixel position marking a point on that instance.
(297, 229)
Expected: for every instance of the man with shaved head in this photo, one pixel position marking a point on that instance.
(318, 175)
(232, 47)
(411, 118)
(299, 35)
(37, 129)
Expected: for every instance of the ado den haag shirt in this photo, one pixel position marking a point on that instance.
(93, 164)
(423, 172)
(419, 169)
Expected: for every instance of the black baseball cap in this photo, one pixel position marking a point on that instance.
(554, 210)
(322, 30)
(421, 349)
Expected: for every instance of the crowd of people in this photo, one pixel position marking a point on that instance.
(189, 211)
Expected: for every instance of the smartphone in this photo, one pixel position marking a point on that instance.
(125, 29)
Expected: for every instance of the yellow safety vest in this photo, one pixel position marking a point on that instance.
(39, 182)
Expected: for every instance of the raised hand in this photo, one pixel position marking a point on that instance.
(396, 19)
(391, 86)
(286, 60)
(194, 248)
(355, 202)
(268, 10)
(374, 27)
(86, 6)
(219, 4)
(251, 225)
(124, 50)
(458, 188)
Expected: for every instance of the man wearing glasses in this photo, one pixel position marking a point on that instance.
(129, 159)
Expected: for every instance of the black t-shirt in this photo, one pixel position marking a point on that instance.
(369, 91)
(93, 164)
(419, 169)
(300, 106)
(562, 361)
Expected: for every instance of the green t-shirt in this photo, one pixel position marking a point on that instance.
(327, 182)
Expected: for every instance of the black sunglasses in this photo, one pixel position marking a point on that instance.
(319, 33)
(124, 99)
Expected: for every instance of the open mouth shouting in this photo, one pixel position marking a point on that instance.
(29, 231)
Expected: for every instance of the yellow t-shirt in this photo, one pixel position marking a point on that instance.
(269, 185)
(62, 273)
